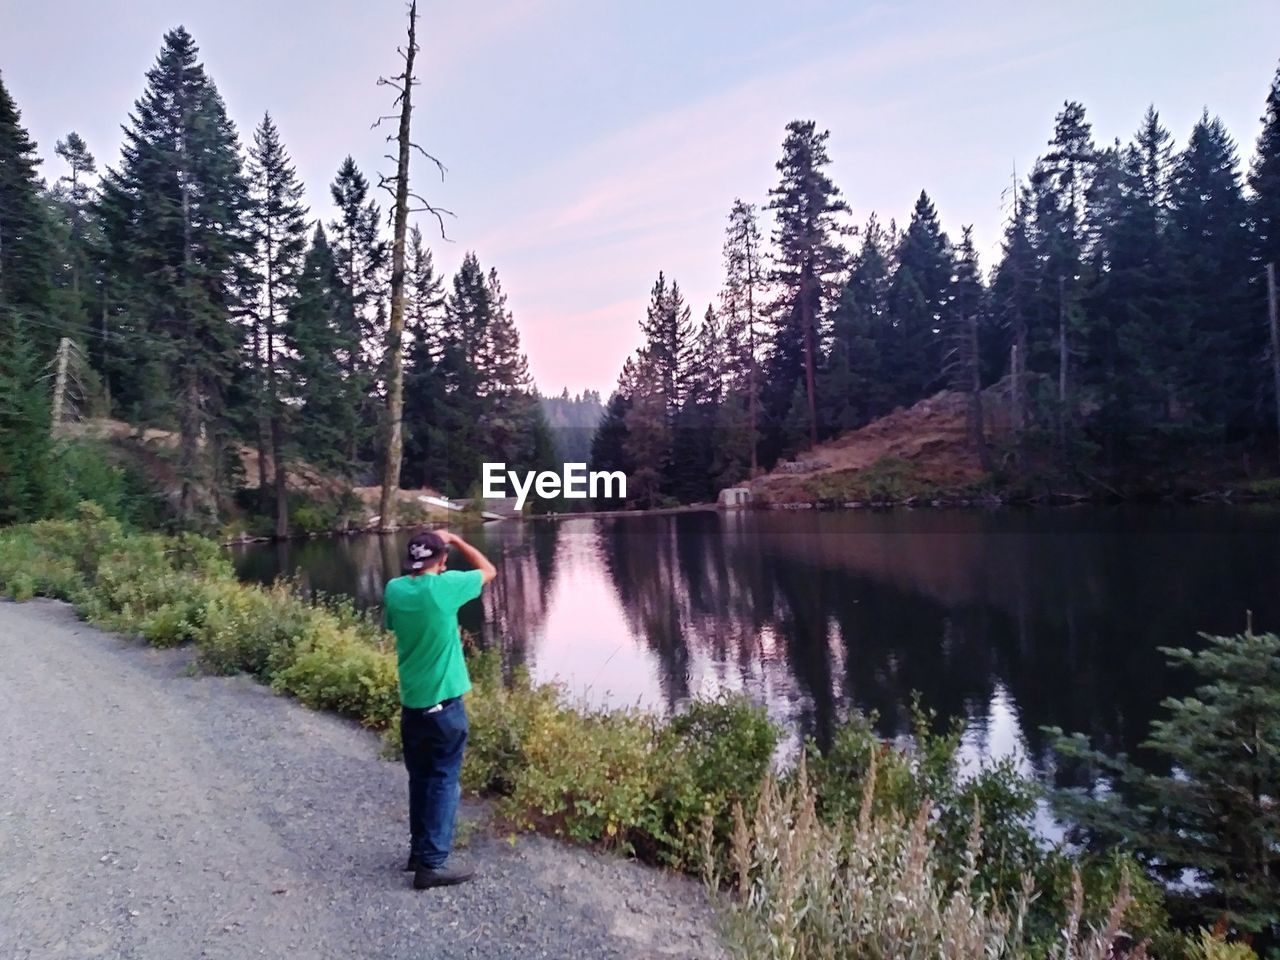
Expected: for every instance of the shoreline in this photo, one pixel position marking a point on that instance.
(1050, 501)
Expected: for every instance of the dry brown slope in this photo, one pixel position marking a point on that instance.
(921, 450)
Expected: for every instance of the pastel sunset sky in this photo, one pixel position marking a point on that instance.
(591, 143)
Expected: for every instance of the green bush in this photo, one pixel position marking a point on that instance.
(27, 570)
(90, 471)
(254, 631)
(311, 517)
(714, 755)
(502, 718)
(332, 669)
(590, 776)
(928, 769)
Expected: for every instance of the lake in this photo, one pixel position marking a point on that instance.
(1013, 619)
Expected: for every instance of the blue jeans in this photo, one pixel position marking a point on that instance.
(433, 745)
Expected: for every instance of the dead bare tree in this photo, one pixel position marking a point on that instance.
(398, 186)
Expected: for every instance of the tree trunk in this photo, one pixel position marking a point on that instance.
(273, 399)
(395, 359)
(753, 387)
(282, 492)
(977, 435)
(189, 420)
(189, 440)
(807, 319)
(1273, 312)
(260, 418)
(59, 386)
(1062, 365)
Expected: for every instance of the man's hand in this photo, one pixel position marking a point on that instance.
(477, 559)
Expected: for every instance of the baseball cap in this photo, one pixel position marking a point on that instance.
(424, 550)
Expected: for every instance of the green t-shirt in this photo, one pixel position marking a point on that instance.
(423, 613)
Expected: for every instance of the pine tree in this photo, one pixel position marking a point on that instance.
(75, 196)
(966, 307)
(1063, 179)
(741, 301)
(852, 383)
(1135, 354)
(277, 225)
(25, 263)
(1215, 815)
(918, 299)
(647, 444)
(695, 447)
(361, 257)
(424, 381)
(173, 212)
(1264, 180)
(1209, 244)
(573, 421)
(25, 446)
(808, 260)
(73, 242)
(609, 442)
(668, 333)
(1012, 295)
(424, 308)
(324, 414)
(513, 414)
(488, 409)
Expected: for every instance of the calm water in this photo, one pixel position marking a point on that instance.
(1011, 619)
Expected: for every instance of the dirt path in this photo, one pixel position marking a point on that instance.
(145, 813)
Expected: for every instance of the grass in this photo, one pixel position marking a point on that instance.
(890, 480)
(801, 886)
(850, 825)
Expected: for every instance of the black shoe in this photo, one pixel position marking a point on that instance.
(412, 865)
(426, 877)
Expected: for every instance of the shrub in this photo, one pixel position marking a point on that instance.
(713, 756)
(503, 718)
(311, 517)
(27, 570)
(331, 669)
(1212, 946)
(90, 471)
(252, 630)
(588, 775)
(803, 887)
(928, 769)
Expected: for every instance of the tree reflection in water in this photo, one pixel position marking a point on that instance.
(1011, 619)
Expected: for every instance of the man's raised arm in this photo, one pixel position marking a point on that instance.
(474, 557)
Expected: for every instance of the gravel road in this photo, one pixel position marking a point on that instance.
(148, 812)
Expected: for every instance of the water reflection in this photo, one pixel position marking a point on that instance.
(1013, 620)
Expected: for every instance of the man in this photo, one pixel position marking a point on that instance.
(421, 608)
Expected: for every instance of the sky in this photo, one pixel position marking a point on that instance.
(590, 144)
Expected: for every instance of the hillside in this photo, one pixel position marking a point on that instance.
(921, 451)
(152, 453)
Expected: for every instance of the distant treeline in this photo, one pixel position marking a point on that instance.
(573, 421)
(1126, 319)
(199, 295)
